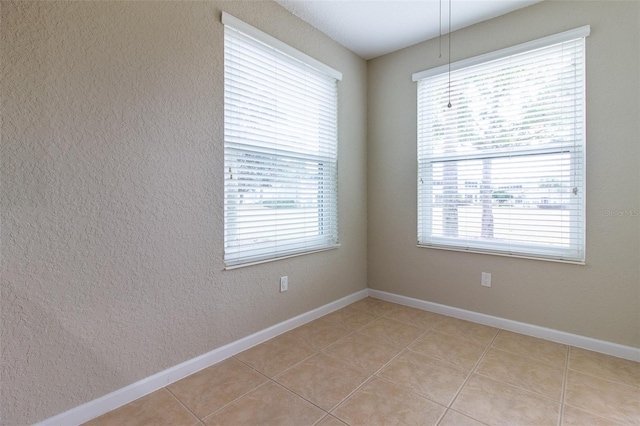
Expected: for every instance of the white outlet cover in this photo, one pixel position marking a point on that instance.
(486, 279)
(284, 284)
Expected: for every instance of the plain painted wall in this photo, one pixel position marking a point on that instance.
(112, 196)
(600, 300)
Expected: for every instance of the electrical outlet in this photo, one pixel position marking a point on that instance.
(284, 284)
(486, 279)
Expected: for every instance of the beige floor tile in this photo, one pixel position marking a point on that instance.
(270, 404)
(382, 403)
(429, 377)
(319, 333)
(453, 418)
(416, 317)
(605, 366)
(466, 330)
(542, 350)
(375, 307)
(276, 355)
(461, 352)
(391, 331)
(536, 376)
(158, 408)
(351, 318)
(214, 387)
(330, 421)
(323, 380)
(604, 398)
(496, 403)
(576, 417)
(363, 351)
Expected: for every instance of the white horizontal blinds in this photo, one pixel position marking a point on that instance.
(503, 169)
(280, 153)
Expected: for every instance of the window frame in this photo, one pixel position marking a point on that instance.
(575, 253)
(288, 160)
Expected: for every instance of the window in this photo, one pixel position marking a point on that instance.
(502, 170)
(280, 149)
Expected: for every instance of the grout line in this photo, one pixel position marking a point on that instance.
(324, 417)
(251, 367)
(615, 382)
(320, 419)
(608, 420)
(587, 410)
(464, 415)
(529, 391)
(268, 379)
(529, 359)
(504, 382)
(316, 352)
(473, 370)
(409, 390)
(313, 403)
(564, 386)
(183, 404)
(441, 418)
(300, 396)
(349, 396)
(344, 361)
(606, 379)
(403, 350)
(424, 330)
(449, 364)
(393, 358)
(236, 399)
(351, 333)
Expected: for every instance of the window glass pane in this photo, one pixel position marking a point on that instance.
(480, 199)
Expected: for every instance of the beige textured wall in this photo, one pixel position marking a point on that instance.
(112, 183)
(599, 300)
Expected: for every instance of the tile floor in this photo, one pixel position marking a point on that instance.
(378, 363)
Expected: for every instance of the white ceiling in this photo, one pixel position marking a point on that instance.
(372, 28)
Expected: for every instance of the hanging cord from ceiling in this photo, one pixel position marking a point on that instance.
(440, 32)
(449, 39)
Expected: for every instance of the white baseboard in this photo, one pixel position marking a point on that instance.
(620, 351)
(120, 397)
